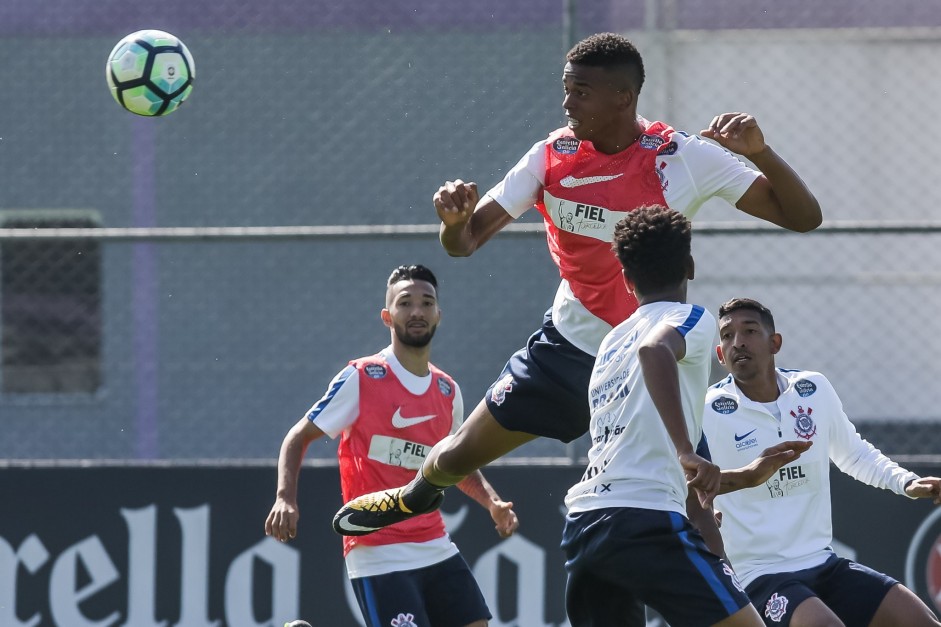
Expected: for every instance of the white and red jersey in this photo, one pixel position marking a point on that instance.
(388, 420)
(582, 194)
(785, 525)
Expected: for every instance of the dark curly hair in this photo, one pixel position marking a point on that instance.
(653, 245)
(610, 51)
(750, 304)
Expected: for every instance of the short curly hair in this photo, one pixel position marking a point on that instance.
(610, 51)
(653, 244)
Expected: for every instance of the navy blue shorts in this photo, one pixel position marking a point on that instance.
(852, 591)
(444, 594)
(543, 389)
(622, 558)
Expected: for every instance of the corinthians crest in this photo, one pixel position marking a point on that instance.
(804, 425)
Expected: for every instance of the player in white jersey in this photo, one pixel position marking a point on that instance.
(778, 535)
(627, 539)
(388, 410)
(583, 178)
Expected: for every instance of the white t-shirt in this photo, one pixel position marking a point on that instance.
(632, 461)
(336, 412)
(785, 525)
(694, 172)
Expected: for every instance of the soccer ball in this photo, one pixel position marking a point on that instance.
(150, 72)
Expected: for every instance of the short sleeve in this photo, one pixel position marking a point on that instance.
(716, 171)
(698, 327)
(338, 408)
(518, 191)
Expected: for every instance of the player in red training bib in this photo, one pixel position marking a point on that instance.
(389, 410)
(583, 178)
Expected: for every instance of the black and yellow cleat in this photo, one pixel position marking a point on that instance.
(376, 510)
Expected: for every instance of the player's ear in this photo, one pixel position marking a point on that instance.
(719, 354)
(690, 268)
(627, 281)
(776, 342)
(386, 317)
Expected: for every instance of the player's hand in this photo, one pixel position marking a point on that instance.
(702, 476)
(772, 459)
(282, 521)
(737, 132)
(455, 202)
(925, 488)
(504, 518)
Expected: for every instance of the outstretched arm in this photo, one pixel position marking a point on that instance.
(780, 196)
(763, 467)
(478, 488)
(925, 488)
(467, 222)
(281, 523)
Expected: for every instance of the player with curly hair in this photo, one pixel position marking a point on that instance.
(583, 178)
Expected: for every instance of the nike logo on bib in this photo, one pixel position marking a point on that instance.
(571, 181)
(400, 423)
(739, 438)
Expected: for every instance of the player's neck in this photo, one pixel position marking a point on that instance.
(761, 389)
(413, 358)
(675, 295)
(620, 141)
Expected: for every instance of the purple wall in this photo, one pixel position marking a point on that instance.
(94, 17)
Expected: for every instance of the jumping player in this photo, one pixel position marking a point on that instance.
(387, 410)
(583, 179)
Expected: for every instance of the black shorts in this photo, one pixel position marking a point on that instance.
(443, 594)
(621, 558)
(543, 389)
(852, 591)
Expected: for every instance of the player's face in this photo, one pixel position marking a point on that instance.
(594, 102)
(746, 346)
(413, 312)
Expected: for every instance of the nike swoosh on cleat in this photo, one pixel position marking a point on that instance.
(570, 181)
(739, 438)
(344, 524)
(400, 423)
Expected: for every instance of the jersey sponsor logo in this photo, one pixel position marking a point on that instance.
(566, 145)
(743, 442)
(668, 149)
(805, 388)
(609, 390)
(571, 182)
(664, 182)
(605, 429)
(776, 607)
(397, 452)
(500, 389)
(445, 386)
(790, 480)
(651, 142)
(923, 560)
(739, 438)
(375, 371)
(404, 620)
(724, 405)
(400, 422)
(804, 425)
(580, 218)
